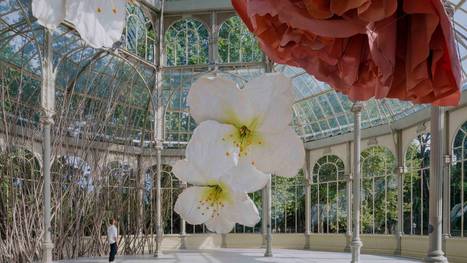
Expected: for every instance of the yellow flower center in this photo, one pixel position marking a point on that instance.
(214, 198)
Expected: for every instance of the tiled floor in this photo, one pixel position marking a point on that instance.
(245, 256)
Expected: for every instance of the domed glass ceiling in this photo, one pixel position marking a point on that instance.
(87, 78)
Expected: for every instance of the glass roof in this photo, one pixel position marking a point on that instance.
(108, 92)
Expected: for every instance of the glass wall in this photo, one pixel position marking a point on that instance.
(288, 204)
(416, 186)
(379, 191)
(458, 213)
(329, 196)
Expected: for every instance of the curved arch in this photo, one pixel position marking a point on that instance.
(416, 185)
(137, 20)
(328, 195)
(181, 50)
(458, 190)
(171, 187)
(236, 43)
(379, 190)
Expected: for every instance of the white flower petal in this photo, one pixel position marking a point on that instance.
(99, 22)
(186, 172)
(49, 13)
(271, 97)
(243, 211)
(220, 224)
(281, 154)
(208, 152)
(188, 206)
(216, 98)
(245, 178)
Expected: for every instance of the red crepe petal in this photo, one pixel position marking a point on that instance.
(363, 48)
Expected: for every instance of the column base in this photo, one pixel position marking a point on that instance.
(268, 254)
(47, 252)
(356, 246)
(436, 256)
(182, 241)
(158, 254)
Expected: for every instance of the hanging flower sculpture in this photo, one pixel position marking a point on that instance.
(99, 22)
(49, 13)
(258, 117)
(218, 197)
(363, 48)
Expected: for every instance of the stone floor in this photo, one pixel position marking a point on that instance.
(245, 256)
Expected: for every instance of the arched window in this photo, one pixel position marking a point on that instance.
(459, 184)
(170, 189)
(328, 196)
(379, 191)
(288, 204)
(236, 43)
(416, 190)
(187, 43)
(139, 33)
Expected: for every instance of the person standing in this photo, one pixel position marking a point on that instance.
(112, 237)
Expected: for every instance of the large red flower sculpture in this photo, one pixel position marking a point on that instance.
(363, 48)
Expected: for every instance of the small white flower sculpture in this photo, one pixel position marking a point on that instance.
(218, 197)
(258, 117)
(99, 22)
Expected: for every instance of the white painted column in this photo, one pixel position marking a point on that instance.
(158, 110)
(268, 252)
(48, 109)
(308, 182)
(446, 184)
(356, 183)
(400, 191)
(159, 229)
(264, 209)
(183, 227)
(348, 165)
(435, 252)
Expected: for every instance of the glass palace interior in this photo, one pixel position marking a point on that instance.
(104, 151)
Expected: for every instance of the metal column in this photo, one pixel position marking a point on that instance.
(348, 165)
(446, 184)
(400, 191)
(158, 110)
(48, 109)
(183, 226)
(264, 209)
(356, 183)
(308, 182)
(435, 252)
(268, 252)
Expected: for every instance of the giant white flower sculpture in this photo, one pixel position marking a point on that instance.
(258, 117)
(99, 22)
(218, 197)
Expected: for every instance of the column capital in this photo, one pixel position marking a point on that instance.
(357, 107)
